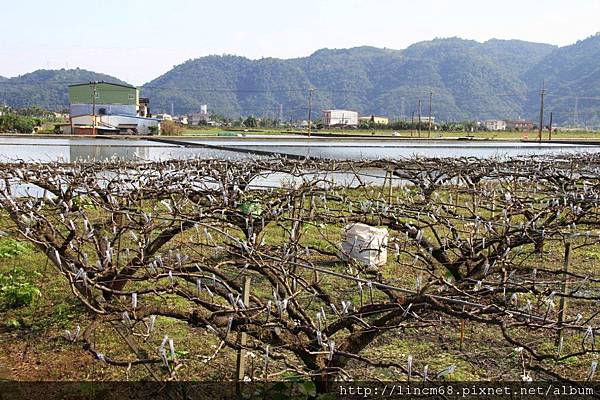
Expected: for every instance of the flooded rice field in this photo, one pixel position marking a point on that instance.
(152, 149)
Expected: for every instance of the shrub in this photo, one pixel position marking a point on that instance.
(170, 128)
(18, 124)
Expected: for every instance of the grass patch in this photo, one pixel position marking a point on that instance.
(10, 248)
(16, 288)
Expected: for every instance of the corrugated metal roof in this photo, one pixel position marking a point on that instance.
(106, 83)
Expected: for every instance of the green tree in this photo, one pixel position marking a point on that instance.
(250, 122)
(18, 124)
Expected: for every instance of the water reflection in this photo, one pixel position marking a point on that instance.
(366, 176)
(69, 150)
(374, 150)
(269, 180)
(99, 153)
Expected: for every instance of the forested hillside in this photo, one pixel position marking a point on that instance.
(467, 80)
(46, 88)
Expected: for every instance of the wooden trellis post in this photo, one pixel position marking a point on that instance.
(563, 299)
(241, 353)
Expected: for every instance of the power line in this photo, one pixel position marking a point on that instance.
(517, 95)
(507, 105)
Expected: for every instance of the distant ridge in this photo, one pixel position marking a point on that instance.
(469, 80)
(46, 88)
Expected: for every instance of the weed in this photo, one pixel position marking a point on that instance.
(16, 289)
(10, 248)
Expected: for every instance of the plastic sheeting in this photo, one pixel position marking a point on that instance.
(365, 244)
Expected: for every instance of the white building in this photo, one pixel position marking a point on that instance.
(201, 118)
(425, 120)
(340, 118)
(495, 125)
(108, 108)
(182, 119)
(112, 124)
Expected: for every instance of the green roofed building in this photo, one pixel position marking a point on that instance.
(102, 98)
(108, 108)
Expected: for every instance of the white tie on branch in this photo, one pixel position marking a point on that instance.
(592, 372)
(151, 322)
(589, 336)
(127, 320)
(331, 346)
(346, 306)
(72, 336)
(172, 350)
(163, 355)
(446, 371)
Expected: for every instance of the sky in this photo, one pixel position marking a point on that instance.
(138, 41)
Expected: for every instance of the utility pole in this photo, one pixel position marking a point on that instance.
(430, 99)
(310, 95)
(541, 127)
(94, 93)
(172, 110)
(550, 128)
(576, 113)
(412, 124)
(419, 126)
(562, 308)
(280, 113)
(402, 108)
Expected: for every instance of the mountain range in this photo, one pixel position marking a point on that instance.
(46, 88)
(466, 79)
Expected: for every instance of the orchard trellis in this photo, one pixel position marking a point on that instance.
(465, 233)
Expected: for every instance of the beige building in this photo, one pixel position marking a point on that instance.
(495, 125)
(374, 119)
(519, 125)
